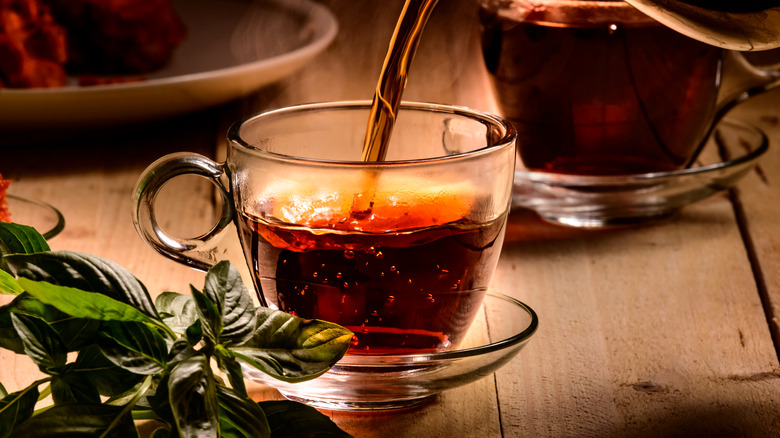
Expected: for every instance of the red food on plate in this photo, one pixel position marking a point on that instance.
(5, 214)
(118, 36)
(42, 41)
(32, 46)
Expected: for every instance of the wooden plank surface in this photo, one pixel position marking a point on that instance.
(758, 198)
(90, 180)
(658, 331)
(655, 331)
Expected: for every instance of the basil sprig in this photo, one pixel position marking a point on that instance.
(111, 355)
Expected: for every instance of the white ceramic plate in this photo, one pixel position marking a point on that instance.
(233, 47)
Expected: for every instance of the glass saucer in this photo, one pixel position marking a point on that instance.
(363, 382)
(46, 219)
(606, 201)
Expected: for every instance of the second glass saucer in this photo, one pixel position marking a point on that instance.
(608, 201)
(46, 219)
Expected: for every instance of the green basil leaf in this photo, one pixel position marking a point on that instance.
(133, 346)
(239, 416)
(9, 339)
(180, 350)
(126, 397)
(85, 272)
(68, 386)
(295, 420)
(177, 310)
(193, 398)
(293, 349)
(41, 343)
(161, 433)
(76, 333)
(225, 289)
(19, 239)
(83, 304)
(108, 378)
(159, 400)
(208, 313)
(228, 363)
(194, 332)
(9, 285)
(79, 420)
(17, 407)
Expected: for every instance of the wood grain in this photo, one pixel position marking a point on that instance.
(757, 200)
(667, 330)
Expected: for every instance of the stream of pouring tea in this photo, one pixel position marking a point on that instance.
(387, 97)
(392, 79)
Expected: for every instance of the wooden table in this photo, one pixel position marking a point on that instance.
(665, 330)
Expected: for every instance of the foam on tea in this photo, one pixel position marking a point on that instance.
(394, 204)
(406, 277)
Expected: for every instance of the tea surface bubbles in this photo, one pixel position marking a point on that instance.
(408, 282)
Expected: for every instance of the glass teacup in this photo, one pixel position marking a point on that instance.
(401, 252)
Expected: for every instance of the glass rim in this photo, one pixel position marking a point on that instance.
(507, 140)
(53, 227)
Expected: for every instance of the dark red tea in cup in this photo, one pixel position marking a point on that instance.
(598, 88)
(406, 277)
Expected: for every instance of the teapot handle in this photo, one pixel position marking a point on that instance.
(761, 79)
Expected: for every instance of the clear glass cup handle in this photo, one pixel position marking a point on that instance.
(199, 252)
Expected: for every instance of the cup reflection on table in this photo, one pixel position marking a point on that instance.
(597, 87)
(400, 252)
